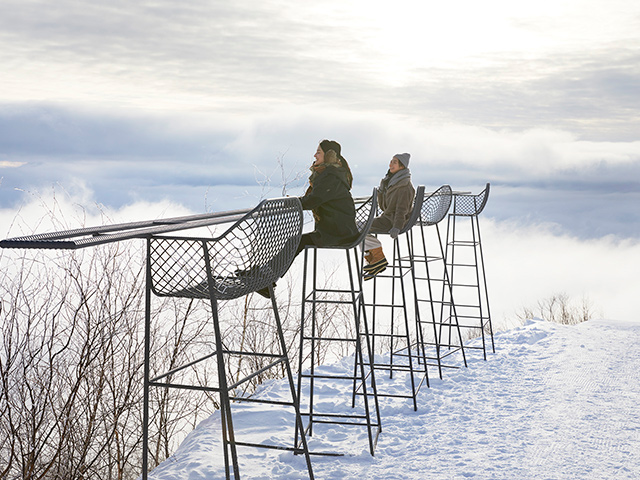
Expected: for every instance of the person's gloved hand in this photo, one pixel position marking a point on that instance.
(394, 232)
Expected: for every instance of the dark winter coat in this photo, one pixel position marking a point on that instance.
(396, 202)
(329, 198)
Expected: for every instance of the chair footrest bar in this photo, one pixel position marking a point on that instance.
(431, 279)
(363, 423)
(257, 400)
(333, 302)
(387, 305)
(330, 339)
(464, 243)
(442, 345)
(435, 302)
(332, 415)
(178, 369)
(271, 447)
(391, 395)
(471, 347)
(254, 354)
(397, 368)
(388, 335)
(256, 373)
(180, 386)
(329, 377)
(470, 265)
(445, 355)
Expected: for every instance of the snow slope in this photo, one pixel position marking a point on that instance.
(554, 402)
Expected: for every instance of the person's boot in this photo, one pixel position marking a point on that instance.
(377, 263)
(375, 258)
(368, 256)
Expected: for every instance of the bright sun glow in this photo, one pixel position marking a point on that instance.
(407, 35)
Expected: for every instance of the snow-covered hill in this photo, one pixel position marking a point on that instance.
(554, 402)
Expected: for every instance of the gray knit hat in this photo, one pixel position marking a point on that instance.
(403, 158)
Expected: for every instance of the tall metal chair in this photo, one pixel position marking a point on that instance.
(432, 286)
(465, 263)
(394, 340)
(252, 254)
(313, 336)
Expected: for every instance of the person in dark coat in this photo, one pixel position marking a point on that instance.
(329, 198)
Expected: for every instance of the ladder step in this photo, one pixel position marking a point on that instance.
(330, 377)
(330, 339)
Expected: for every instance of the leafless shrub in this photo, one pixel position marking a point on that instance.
(559, 308)
(68, 363)
(71, 358)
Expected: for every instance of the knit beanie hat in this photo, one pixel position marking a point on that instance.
(327, 145)
(403, 158)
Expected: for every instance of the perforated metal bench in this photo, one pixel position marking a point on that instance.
(440, 339)
(365, 413)
(397, 341)
(465, 262)
(250, 255)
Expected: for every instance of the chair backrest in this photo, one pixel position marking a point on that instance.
(252, 254)
(365, 214)
(435, 206)
(470, 205)
(416, 211)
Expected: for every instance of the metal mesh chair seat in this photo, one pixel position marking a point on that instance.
(395, 336)
(465, 262)
(366, 414)
(432, 283)
(252, 254)
(436, 206)
(470, 205)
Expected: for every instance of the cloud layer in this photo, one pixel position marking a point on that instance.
(541, 176)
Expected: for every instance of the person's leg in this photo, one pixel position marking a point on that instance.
(376, 261)
(305, 240)
(370, 243)
(373, 247)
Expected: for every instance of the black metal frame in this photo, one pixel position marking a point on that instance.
(93, 236)
(401, 357)
(250, 255)
(473, 314)
(435, 207)
(309, 336)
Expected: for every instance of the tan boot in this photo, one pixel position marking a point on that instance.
(377, 263)
(368, 256)
(373, 257)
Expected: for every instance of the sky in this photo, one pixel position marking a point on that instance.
(213, 105)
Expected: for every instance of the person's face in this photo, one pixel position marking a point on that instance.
(395, 165)
(319, 156)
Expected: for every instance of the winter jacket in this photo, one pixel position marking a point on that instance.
(329, 198)
(396, 202)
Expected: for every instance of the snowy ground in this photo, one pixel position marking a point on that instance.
(554, 402)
